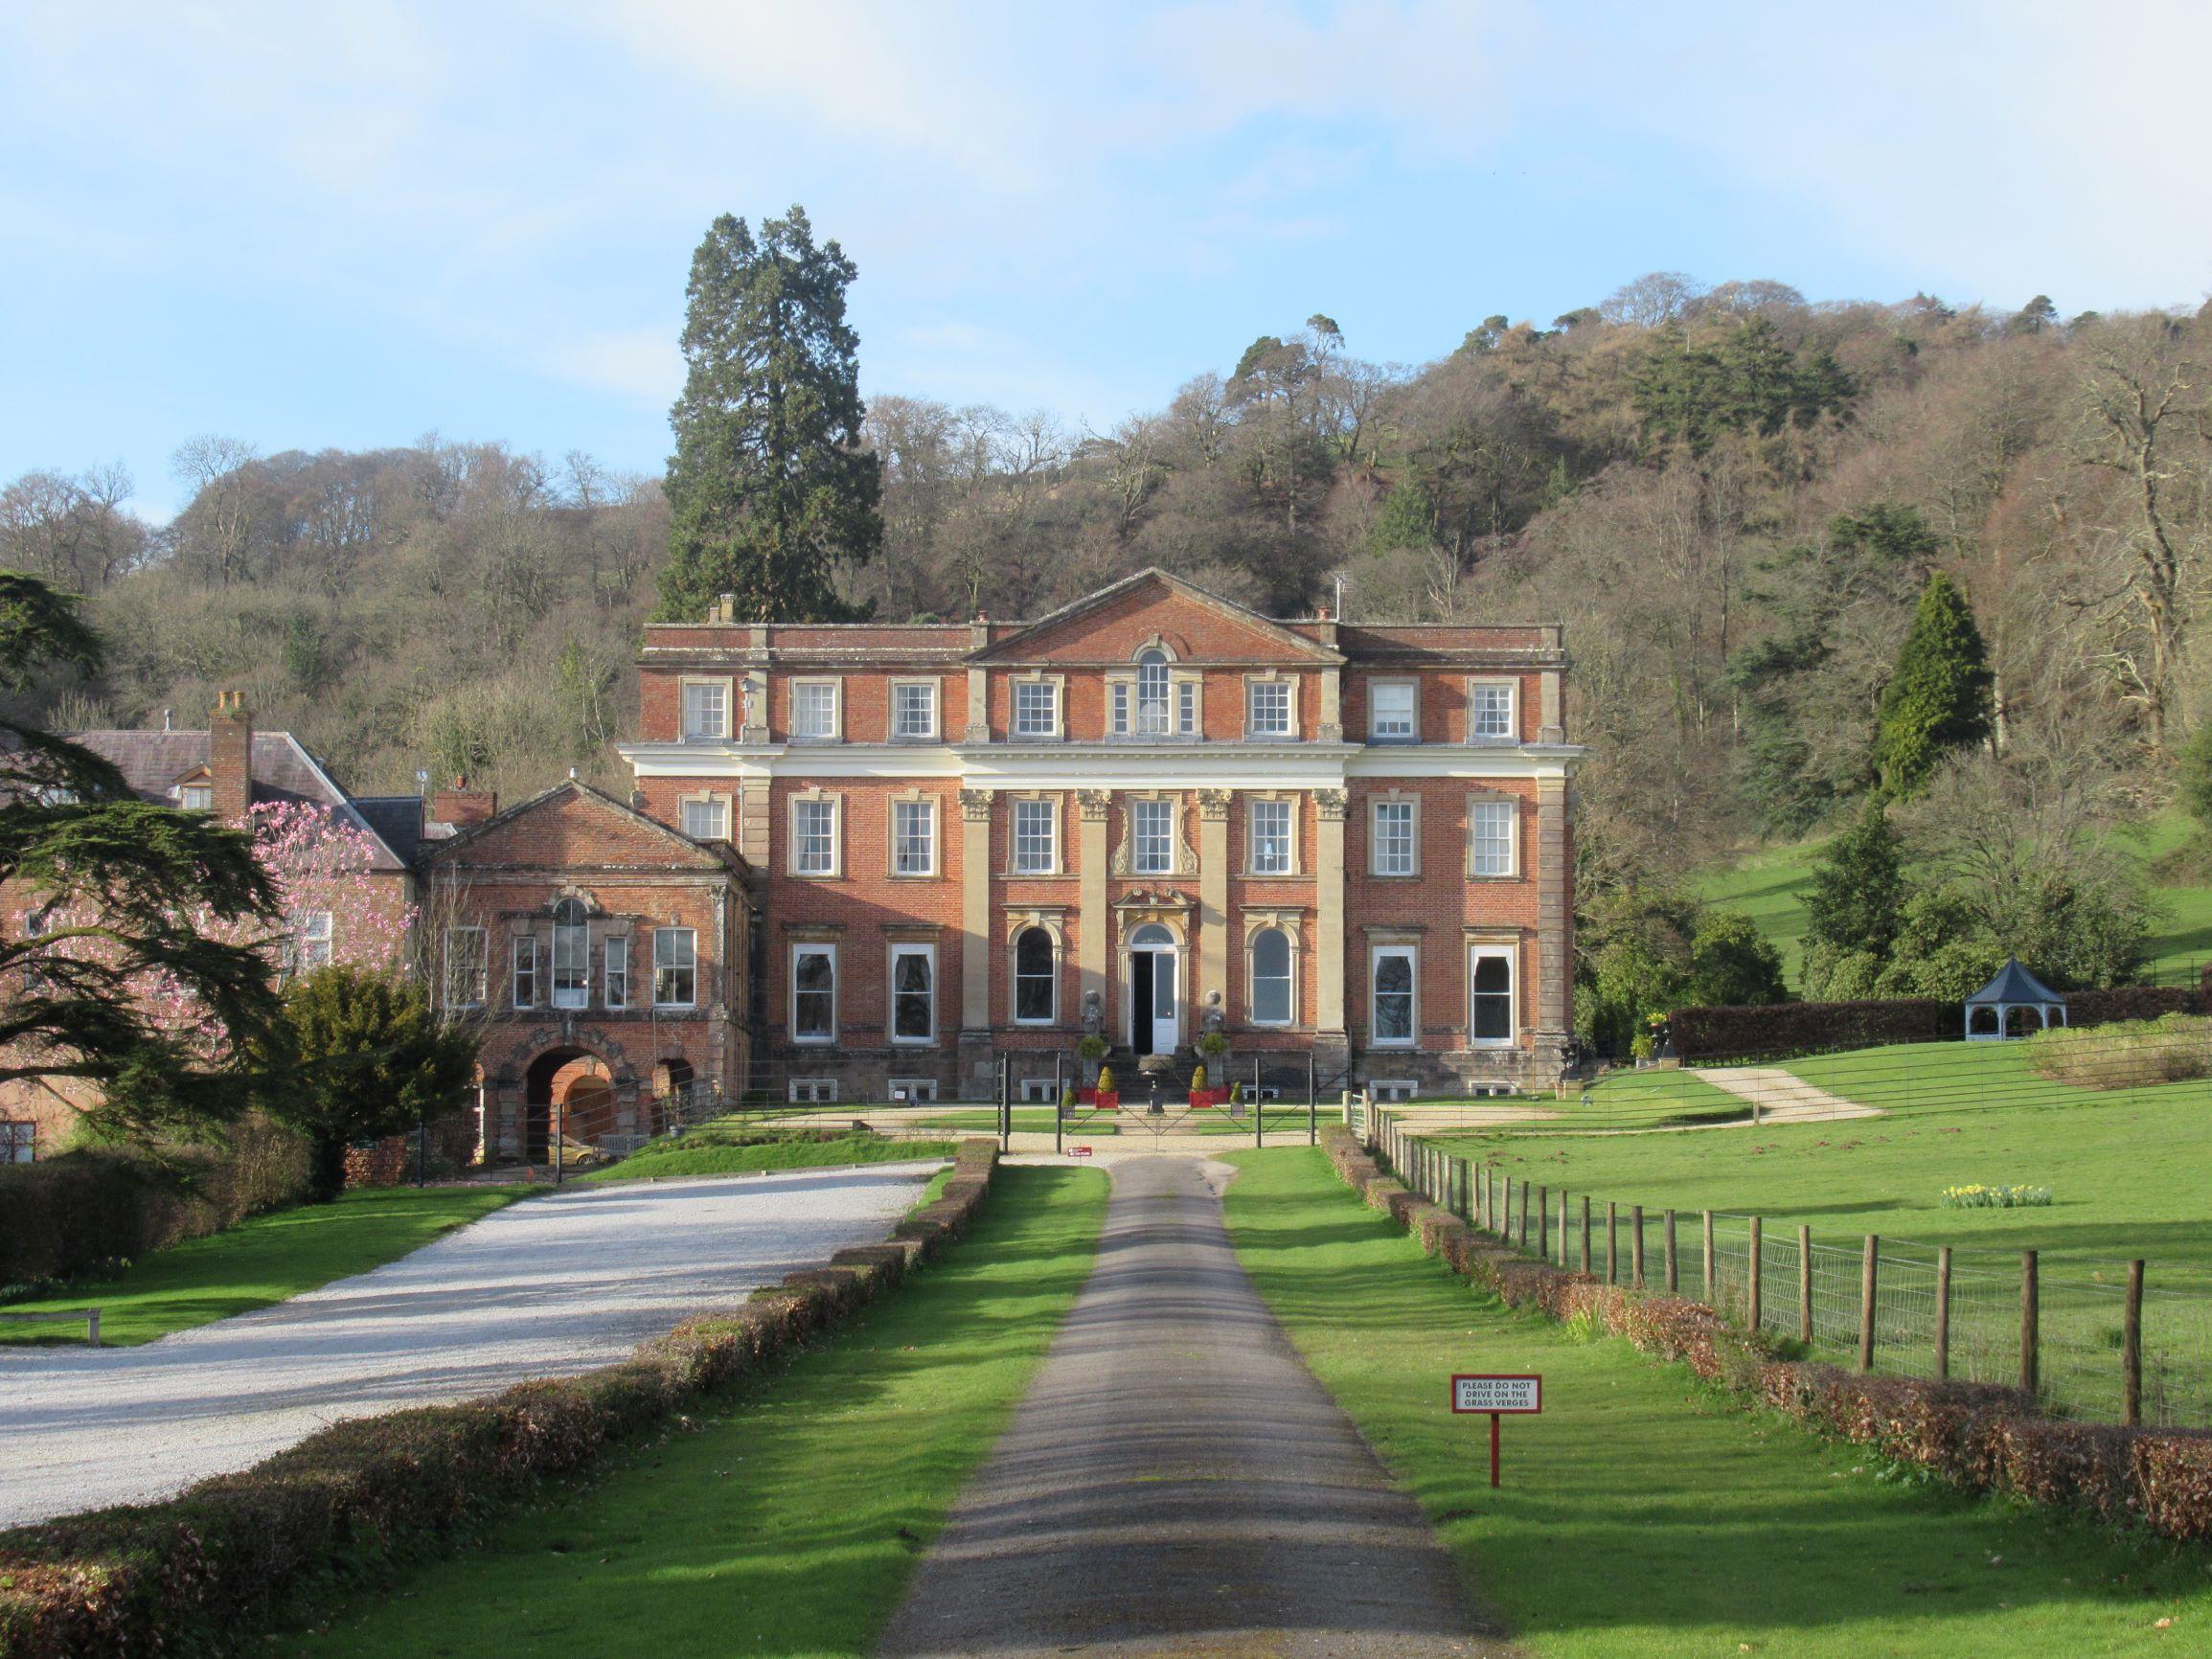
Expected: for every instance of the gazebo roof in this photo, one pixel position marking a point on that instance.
(2014, 983)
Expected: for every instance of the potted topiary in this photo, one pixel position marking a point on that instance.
(1108, 1100)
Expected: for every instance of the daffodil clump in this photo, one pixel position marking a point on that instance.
(1978, 1197)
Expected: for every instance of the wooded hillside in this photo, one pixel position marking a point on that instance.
(1732, 497)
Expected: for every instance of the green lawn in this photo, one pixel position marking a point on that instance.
(2127, 1165)
(787, 1520)
(1643, 1515)
(704, 1152)
(262, 1261)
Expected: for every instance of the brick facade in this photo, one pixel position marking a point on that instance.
(1160, 715)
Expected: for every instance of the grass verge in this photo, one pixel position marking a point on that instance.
(788, 1522)
(767, 1149)
(266, 1260)
(1645, 1514)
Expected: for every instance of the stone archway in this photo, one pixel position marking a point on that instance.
(573, 1085)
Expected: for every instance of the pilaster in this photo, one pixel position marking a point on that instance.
(975, 909)
(1555, 914)
(1213, 901)
(1093, 925)
(1329, 806)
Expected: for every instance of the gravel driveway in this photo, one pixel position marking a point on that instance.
(552, 1285)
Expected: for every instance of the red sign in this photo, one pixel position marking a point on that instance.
(1079, 1151)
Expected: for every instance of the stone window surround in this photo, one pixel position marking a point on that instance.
(836, 801)
(804, 942)
(1494, 797)
(1273, 677)
(1297, 804)
(913, 797)
(1058, 801)
(890, 732)
(911, 942)
(1412, 684)
(1374, 840)
(1052, 919)
(836, 685)
(729, 690)
(1290, 922)
(1177, 678)
(1038, 677)
(914, 1088)
(1183, 860)
(708, 798)
(1503, 943)
(1384, 941)
(1512, 683)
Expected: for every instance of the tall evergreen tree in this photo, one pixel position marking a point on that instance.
(1939, 699)
(769, 489)
(1857, 900)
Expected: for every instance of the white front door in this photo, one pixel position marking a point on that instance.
(1165, 1035)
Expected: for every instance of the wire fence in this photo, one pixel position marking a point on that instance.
(2088, 1340)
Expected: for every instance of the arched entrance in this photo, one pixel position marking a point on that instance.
(1153, 1007)
(673, 1083)
(573, 1084)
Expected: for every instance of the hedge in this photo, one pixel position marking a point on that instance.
(1791, 1028)
(234, 1553)
(83, 1211)
(1974, 1435)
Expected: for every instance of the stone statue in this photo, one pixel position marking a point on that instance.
(1211, 1017)
(1093, 1014)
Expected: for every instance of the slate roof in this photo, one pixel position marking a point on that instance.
(284, 771)
(2014, 983)
(396, 820)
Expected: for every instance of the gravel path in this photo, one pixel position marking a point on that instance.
(1176, 1482)
(552, 1285)
(1782, 1097)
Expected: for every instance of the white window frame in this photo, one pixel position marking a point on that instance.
(312, 941)
(815, 1091)
(1289, 808)
(1272, 683)
(578, 995)
(1477, 806)
(1290, 934)
(1051, 690)
(1047, 809)
(1165, 703)
(899, 839)
(836, 689)
(717, 824)
(1165, 808)
(1014, 975)
(1389, 1091)
(1511, 957)
(522, 970)
(823, 948)
(1185, 713)
(932, 694)
(1412, 955)
(674, 935)
(195, 797)
(718, 691)
(913, 1091)
(1375, 804)
(1375, 732)
(482, 988)
(614, 981)
(1480, 683)
(834, 805)
(899, 951)
(1040, 1092)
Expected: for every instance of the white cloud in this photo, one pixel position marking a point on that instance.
(640, 364)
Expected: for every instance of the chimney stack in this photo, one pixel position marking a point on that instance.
(461, 805)
(230, 758)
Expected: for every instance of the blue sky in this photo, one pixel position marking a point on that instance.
(349, 225)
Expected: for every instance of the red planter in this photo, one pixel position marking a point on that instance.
(1206, 1097)
(1108, 1101)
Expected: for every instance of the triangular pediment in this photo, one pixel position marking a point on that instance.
(1116, 622)
(574, 826)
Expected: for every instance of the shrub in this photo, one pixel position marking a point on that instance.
(1804, 1027)
(1105, 1080)
(1198, 1078)
(88, 1209)
(2124, 1055)
(2001, 1197)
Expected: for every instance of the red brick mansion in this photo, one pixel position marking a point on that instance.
(860, 859)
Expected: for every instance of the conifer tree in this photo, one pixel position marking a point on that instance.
(1857, 900)
(1939, 699)
(769, 490)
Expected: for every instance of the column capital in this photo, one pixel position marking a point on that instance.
(1214, 803)
(1093, 804)
(1330, 804)
(975, 804)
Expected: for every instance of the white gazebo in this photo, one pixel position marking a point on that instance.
(1990, 1010)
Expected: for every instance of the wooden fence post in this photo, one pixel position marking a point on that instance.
(1525, 1218)
(1943, 1314)
(1753, 1293)
(1481, 1193)
(1674, 1267)
(2031, 1340)
(1612, 1242)
(1544, 1223)
(1562, 1228)
(1805, 1286)
(1636, 1246)
(1708, 1257)
(1585, 1235)
(1866, 1293)
(2131, 1351)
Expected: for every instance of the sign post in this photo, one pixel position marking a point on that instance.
(1497, 1394)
